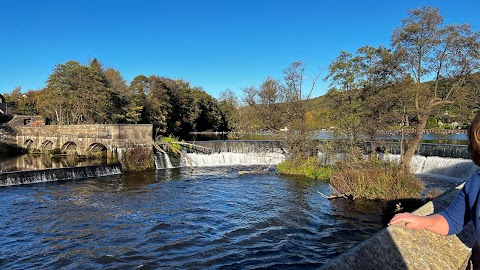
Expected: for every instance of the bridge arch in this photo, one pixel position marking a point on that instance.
(69, 148)
(47, 146)
(81, 140)
(28, 144)
(97, 149)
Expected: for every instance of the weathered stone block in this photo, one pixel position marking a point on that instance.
(397, 247)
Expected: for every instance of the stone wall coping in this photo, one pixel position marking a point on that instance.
(397, 247)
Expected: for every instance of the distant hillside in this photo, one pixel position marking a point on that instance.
(466, 105)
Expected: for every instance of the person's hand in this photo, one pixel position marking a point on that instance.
(411, 221)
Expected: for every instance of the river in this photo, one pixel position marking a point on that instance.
(183, 218)
(189, 217)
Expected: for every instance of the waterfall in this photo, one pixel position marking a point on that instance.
(431, 149)
(162, 161)
(168, 163)
(224, 153)
(457, 168)
(231, 159)
(41, 176)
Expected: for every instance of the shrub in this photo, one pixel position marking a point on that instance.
(309, 167)
(172, 144)
(138, 159)
(375, 181)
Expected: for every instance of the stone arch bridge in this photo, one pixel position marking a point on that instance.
(84, 139)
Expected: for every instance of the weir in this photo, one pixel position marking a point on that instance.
(92, 140)
(49, 175)
(391, 248)
(224, 153)
(431, 149)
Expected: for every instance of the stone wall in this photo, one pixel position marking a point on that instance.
(84, 137)
(396, 247)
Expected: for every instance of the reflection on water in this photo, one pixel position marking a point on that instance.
(39, 162)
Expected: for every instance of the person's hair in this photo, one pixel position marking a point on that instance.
(474, 140)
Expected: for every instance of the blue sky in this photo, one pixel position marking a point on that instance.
(212, 44)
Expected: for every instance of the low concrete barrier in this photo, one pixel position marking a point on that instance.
(397, 247)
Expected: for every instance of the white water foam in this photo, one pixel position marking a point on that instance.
(41, 176)
(162, 161)
(229, 159)
(168, 163)
(456, 168)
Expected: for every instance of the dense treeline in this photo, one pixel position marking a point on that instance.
(87, 94)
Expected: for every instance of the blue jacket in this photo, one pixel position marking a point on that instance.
(464, 207)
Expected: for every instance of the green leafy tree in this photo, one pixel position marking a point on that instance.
(228, 105)
(436, 52)
(77, 94)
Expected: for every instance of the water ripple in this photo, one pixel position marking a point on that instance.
(178, 219)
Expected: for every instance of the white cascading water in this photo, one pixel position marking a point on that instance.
(224, 153)
(168, 163)
(162, 161)
(457, 168)
(231, 159)
(49, 175)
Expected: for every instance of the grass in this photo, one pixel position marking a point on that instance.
(309, 167)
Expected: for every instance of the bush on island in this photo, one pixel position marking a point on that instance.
(309, 167)
(384, 181)
(138, 159)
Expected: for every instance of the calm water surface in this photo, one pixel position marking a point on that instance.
(186, 218)
(30, 162)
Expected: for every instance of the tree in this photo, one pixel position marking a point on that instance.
(209, 116)
(120, 98)
(436, 52)
(283, 103)
(372, 105)
(137, 99)
(228, 104)
(344, 71)
(77, 94)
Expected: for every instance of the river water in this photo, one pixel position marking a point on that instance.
(184, 218)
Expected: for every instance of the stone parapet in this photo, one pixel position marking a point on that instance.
(83, 138)
(397, 247)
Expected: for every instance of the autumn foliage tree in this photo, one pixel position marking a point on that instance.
(434, 52)
(280, 107)
(428, 68)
